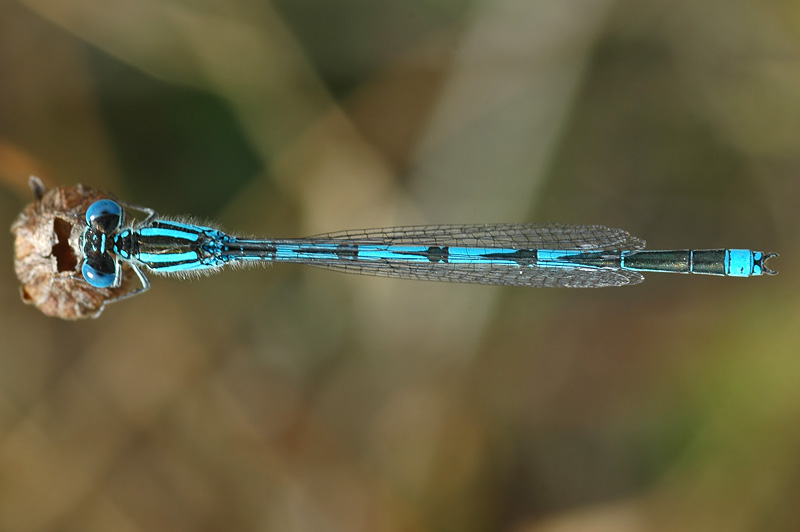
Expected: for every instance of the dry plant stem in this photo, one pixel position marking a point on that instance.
(48, 255)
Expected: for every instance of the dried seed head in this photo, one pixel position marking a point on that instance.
(48, 254)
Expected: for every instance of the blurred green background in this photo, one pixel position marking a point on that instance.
(294, 399)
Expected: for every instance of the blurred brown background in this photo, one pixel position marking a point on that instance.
(294, 399)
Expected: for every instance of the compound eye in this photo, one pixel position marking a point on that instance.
(105, 215)
(100, 270)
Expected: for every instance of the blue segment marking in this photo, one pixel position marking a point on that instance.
(740, 262)
(758, 259)
(562, 258)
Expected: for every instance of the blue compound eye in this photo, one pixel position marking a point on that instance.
(105, 215)
(100, 271)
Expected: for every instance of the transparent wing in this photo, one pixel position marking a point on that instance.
(524, 236)
(516, 236)
(497, 274)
